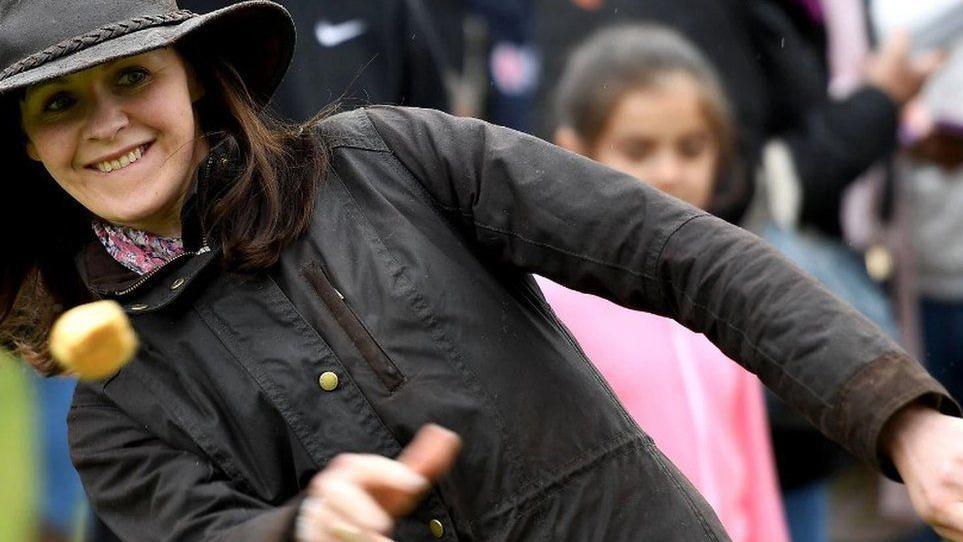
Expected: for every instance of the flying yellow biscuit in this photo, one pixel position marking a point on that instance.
(93, 341)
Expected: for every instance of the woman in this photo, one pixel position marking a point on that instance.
(306, 299)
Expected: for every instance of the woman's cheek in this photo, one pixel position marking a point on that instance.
(53, 147)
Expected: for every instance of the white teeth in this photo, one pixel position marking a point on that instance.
(124, 161)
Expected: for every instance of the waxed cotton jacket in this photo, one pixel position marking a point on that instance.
(409, 301)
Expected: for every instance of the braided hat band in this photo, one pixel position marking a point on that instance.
(42, 40)
(94, 37)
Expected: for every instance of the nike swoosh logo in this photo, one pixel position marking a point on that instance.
(330, 34)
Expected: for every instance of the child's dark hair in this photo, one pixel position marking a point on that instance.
(618, 60)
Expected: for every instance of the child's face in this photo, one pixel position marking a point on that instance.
(661, 135)
(120, 138)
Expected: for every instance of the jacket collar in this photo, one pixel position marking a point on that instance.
(106, 278)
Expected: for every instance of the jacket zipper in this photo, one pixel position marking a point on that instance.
(204, 173)
(370, 350)
(120, 293)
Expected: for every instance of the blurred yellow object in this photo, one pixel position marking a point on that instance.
(879, 263)
(93, 341)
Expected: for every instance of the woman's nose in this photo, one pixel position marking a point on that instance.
(106, 119)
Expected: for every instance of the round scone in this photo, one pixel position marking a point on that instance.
(93, 341)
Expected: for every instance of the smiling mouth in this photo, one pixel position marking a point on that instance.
(122, 161)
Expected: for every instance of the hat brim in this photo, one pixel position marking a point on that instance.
(256, 37)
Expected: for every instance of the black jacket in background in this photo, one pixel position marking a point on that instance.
(358, 52)
(773, 69)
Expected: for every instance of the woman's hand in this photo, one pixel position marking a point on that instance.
(927, 449)
(357, 498)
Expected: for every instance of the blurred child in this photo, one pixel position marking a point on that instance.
(642, 100)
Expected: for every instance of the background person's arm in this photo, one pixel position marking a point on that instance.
(832, 141)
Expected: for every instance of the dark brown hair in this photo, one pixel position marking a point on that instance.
(617, 60)
(251, 215)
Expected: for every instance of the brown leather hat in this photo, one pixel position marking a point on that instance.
(41, 40)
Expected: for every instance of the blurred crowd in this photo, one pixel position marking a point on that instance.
(831, 128)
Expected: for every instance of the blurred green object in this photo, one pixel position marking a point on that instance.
(16, 452)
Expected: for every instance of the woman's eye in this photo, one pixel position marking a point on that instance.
(132, 77)
(58, 103)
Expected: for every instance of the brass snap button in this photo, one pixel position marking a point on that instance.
(178, 283)
(328, 381)
(437, 528)
(138, 307)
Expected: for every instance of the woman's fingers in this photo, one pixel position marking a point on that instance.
(374, 472)
(927, 449)
(389, 488)
(318, 521)
(345, 532)
(357, 497)
(398, 485)
(357, 507)
(432, 452)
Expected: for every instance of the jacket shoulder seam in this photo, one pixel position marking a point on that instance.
(352, 129)
(665, 243)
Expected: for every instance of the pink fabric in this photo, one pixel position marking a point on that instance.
(848, 45)
(705, 412)
(137, 250)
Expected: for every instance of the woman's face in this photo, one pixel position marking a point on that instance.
(662, 136)
(121, 138)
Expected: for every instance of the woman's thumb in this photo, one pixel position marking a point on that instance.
(432, 452)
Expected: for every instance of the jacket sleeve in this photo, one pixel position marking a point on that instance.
(146, 490)
(832, 142)
(528, 203)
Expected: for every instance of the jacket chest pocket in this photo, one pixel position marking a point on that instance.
(379, 362)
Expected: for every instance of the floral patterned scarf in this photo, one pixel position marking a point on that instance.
(137, 250)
